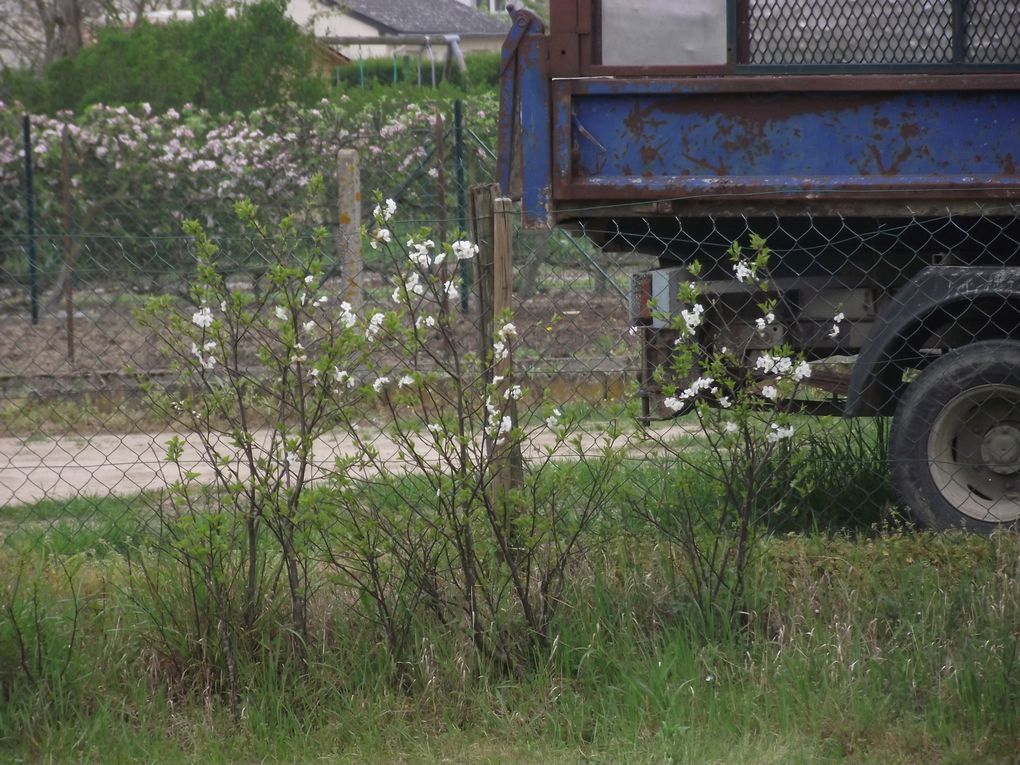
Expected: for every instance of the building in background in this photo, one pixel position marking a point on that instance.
(476, 30)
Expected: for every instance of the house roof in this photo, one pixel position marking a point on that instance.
(424, 17)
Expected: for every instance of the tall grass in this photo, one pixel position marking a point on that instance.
(871, 643)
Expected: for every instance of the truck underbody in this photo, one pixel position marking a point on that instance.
(886, 189)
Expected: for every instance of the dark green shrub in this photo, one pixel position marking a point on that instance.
(216, 62)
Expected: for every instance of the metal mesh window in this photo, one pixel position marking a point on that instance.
(992, 35)
(879, 32)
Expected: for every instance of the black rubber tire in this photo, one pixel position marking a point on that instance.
(971, 367)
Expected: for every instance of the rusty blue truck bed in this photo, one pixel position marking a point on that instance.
(728, 142)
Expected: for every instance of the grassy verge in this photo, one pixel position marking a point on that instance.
(897, 648)
(875, 643)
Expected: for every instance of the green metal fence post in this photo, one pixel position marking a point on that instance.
(458, 152)
(33, 265)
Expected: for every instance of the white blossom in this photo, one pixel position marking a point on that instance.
(425, 321)
(725, 402)
(730, 427)
(342, 376)
(414, 284)
(765, 321)
(379, 383)
(434, 428)
(374, 324)
(380, 235)
(420, 252)
(773, 365)
(836, 321)
(514, 393)
(770, 392)
(499, 351)
(696, 387)
(309, 279)
(464, 249)
(405, 380)
(452, 293)
(779, 433)
(505, 425)
(347, 315)
(206, 362)
(203, 317)
(322, 300)
(281, 313)
(802, 371)
(553, 419)
(508, 331)
(299, 354)
(385, 212)
(744, 271)
(309, 326)
(692, 319)
(673, 403)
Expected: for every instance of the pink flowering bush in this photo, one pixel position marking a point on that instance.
(137, 175)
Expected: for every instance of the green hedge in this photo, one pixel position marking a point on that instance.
(215, 62)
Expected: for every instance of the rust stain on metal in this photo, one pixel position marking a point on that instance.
(650, 154)
(639, 120)
(898, 160)
(719, 169)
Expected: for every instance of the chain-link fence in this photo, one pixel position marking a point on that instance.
(614, 330)
(88, 246)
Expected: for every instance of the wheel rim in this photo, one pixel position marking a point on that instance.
(974, 453)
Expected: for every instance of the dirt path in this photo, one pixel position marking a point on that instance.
(125, 464)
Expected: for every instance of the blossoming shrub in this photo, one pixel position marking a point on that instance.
(730, 470)
(261, 378)
(471, 523)
(137, 174)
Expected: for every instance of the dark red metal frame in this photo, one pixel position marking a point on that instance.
(575, 49)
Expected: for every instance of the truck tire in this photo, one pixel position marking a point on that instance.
(954, 449)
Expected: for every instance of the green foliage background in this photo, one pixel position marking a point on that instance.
(222, 64)
(225, 65)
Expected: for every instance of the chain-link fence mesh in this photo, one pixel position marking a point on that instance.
(84, 431)
(89, 388)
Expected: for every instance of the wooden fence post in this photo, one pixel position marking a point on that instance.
(352, 269)
(508, 470)
(480, 220)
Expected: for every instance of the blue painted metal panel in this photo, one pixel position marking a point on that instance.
(646, 144)
(536, 139)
